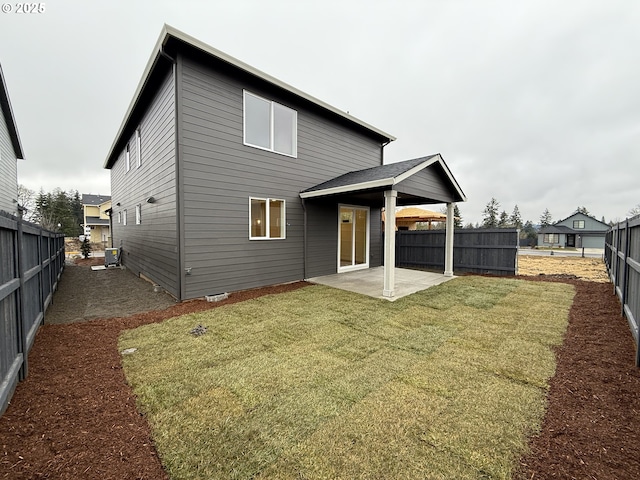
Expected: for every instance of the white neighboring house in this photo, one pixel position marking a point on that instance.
(96, 218)
(10, 152)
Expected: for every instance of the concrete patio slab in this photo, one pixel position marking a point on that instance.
(370, 281)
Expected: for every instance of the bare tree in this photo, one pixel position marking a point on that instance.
(27, 200)
(634, 211)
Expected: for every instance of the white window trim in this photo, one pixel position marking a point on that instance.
(268, 219)
(124, 217)
(139, 214)
(138, 149)
(271, 129)
(127, 158)
(119, 217)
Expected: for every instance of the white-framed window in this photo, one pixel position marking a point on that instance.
(124, 217)
(138, 214)
(270, 126)
(119, 217)
(138, 149)
(551, 238)
(267, 219)
(578, 224)
(127, 158)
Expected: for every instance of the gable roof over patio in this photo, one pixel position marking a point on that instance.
(423, 180)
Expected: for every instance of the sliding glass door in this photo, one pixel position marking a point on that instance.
(353, 238)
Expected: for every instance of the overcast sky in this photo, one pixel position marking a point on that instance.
(535, 103)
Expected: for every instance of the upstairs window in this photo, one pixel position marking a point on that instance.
(138, 149)
(266, 219)
(270, 126)
(578, 224)
(127, 158)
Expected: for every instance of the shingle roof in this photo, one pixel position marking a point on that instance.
(7, 111)
(556, 229)
(90, 199)
(371, 175)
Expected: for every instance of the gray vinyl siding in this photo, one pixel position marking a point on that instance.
(425, 183)
(150, 248)
(8, 170)
(322, 238)
(220, 173)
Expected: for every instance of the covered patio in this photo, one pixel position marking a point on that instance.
(370, 281)
(424, 180)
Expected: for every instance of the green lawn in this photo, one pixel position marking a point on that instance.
(321, 383)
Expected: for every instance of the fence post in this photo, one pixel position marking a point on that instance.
(22, 334)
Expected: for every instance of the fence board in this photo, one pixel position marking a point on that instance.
(488, 251)
(622, 258)
(28, 277)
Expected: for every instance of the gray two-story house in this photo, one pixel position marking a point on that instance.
(576, 231)
(10, 152)
(224, 178)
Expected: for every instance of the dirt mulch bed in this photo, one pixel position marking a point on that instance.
(75, 416)
(592, 426)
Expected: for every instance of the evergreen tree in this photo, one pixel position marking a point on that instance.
(490, 214)
(457, 217)
(85, 248)
(59, 211)
(583, 210)
(503, 221)
(515, 219)
(546, 219)
(529, 231)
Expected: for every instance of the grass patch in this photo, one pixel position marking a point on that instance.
(322, 383)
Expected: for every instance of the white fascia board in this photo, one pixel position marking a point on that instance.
(385, 182)
(156, 53)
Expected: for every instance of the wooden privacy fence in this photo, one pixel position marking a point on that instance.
(493, 251)
(31, 262)
(622, 256)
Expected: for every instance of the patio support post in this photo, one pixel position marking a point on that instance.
(390, 197)
(448, 253)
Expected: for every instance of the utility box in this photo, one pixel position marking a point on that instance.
(112, 257)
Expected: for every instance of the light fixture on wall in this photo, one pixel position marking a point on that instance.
(151, 200)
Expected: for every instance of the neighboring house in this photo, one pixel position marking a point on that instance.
(224, 178)
(96, 217)
(10, 152)
(409, 218)
(576, 231)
